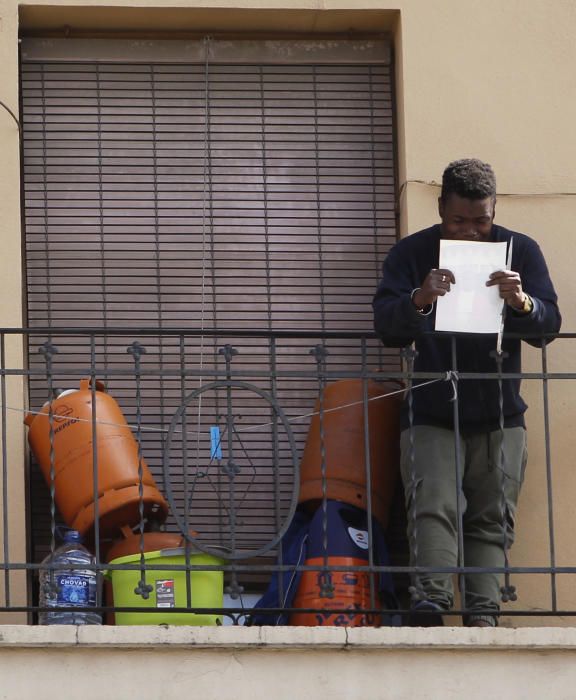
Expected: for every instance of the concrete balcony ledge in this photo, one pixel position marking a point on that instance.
(297, 638)
(286, 663)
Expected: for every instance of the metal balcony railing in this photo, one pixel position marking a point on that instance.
(194, 442)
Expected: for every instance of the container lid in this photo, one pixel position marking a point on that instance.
(153, 541)
(179, 552)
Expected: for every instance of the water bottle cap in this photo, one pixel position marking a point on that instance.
(72, 536)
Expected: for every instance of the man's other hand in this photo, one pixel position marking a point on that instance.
(510, 287)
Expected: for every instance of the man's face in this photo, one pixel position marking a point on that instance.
(466, 219)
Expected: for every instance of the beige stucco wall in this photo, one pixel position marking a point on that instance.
(475, 77)
(11, 306)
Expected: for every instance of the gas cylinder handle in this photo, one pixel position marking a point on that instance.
(86, 384)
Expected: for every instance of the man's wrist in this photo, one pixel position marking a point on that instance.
(527, 305)
(422, 309)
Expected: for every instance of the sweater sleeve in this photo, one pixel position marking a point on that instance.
(545, 316)
(396, 319)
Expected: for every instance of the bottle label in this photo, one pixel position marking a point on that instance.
(76, 590)
(165, 593)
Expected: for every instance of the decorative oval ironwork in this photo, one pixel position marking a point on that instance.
(230, 468)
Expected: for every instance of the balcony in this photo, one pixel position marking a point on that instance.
(221, 423)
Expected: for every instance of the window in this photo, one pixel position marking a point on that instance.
(201, 185)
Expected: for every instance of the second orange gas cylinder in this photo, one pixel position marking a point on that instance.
(116, 454)
(343, 442)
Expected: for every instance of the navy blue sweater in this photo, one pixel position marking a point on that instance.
(399, 324)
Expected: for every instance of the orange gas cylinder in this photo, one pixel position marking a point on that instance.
(350, 596)
(345, 451)
(117, 458)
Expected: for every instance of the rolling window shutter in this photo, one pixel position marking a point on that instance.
(229, 185)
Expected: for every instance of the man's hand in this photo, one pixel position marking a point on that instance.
(510, 287)
(436, 284)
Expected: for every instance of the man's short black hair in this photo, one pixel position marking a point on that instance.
(470, 178)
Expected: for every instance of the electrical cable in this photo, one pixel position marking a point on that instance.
(433, 183)
(14, 117)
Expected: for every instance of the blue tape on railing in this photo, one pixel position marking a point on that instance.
(215, 449)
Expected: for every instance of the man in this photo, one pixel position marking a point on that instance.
(492, 460)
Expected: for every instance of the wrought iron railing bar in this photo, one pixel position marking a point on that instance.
(228, 351)
(136, 351)
(246, 612)
(507, 590)
(368, 471)
(326, 585)
(186, 480)
(415, 589)
(458, 466)
(271, 568)
(276, 459)
(95, 466)
(5, 519)
(549, 491)
(349, 334)
(395, 611)
(48, 350)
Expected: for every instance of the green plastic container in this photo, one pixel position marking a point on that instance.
(168, 589)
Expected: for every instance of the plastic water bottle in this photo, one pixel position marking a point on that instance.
(69, 587)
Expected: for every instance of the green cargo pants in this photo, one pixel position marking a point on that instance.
(490, 483)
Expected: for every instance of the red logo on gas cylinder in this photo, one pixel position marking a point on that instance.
(61, 412)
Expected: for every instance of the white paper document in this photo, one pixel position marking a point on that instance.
(471, 306)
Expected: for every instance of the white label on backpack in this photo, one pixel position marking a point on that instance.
(359, 537)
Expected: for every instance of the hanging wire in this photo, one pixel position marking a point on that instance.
(272, 341)
(319, 231)
(101, 242)
(157, 249)
(205, 193)
(45, 236)
(251, 428)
